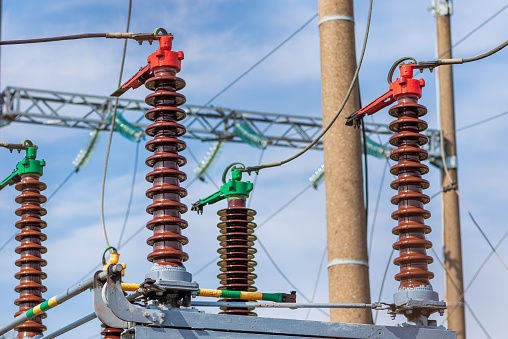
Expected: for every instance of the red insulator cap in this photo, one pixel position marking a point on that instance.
(164, 56)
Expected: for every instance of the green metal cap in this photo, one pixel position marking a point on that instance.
(235, 187)
(29, 164)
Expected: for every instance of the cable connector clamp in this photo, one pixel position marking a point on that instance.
(452, 186)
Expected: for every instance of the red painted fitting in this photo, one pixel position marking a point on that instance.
(164, 56)
(111, 332)
(413, 259)
(236, 241)
(30, 288)
(167, 240)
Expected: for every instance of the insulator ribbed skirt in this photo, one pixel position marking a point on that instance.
(411, 229)
(236, 252)
(166, 208)
(30, 276)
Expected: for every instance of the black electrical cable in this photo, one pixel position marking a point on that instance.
(61, 185)
(317, 281)
(277, 268)
(56, 38)
(325, 130)
(381, 185)
(481, 121)
(133, 183)
(476, 29)
(458, 61)
(255, 178)
(260, 224)
(383, 282)
(462, 299)
(477, 273)
(259, 61)
(112, 129)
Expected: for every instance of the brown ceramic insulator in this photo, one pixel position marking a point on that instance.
(111, 332)
(236, 252)
(166, 208)
(30, 275)
(411, 229)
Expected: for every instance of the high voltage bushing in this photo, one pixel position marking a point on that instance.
(159, 76)
(30, 288)
(236, 238)
(415, 298)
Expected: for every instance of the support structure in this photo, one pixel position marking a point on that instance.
(348, 271)
(451, 213)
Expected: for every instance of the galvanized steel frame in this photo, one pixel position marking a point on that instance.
(74, 110)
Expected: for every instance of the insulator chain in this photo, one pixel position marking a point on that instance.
(411, 229)
(30, 288)
(167, 240)
(236, 241)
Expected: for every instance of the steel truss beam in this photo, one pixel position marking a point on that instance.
(83, 111)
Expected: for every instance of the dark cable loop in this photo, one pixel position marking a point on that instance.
(330, 124)
(227, 169)
(394, 66)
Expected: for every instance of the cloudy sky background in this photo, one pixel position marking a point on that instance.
(221, 39)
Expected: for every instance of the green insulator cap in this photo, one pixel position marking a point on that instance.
(29, 164)
(235, 188)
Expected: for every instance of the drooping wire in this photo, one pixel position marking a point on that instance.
(56, 38)
(61, 185)
(277, 268)
(317, 281)
(292, 35)
(260, 224)
(383, 281)
(112, 129)
(207, 175)
(255, 178)
(445, 167)
(476, 29)
(481, 121)
(133, 184)
(461, 300)
(477, 273)
(376, 209)
(330, 124)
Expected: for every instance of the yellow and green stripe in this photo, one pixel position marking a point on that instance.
(41, 308)
(277, 297)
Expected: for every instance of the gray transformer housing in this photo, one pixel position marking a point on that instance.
(185, 324)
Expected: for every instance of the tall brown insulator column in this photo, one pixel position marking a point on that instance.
(167, 240)
(348, 271)
(415, 288)
(237, 251)
(411, 215)
(167, 225)
(30, 275)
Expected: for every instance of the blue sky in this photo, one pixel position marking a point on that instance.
(221, 39)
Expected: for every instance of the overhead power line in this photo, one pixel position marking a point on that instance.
(112, 129)
(291, 36)
(334, 119)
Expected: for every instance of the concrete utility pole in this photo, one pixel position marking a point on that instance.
(348, 271)
(451, 217)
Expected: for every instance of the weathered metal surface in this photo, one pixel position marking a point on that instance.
(197, 325)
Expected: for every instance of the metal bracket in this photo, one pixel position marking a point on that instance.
(101, 307)
(442, 7)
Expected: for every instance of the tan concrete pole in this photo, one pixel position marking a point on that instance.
(348, 271)
(451, 217)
